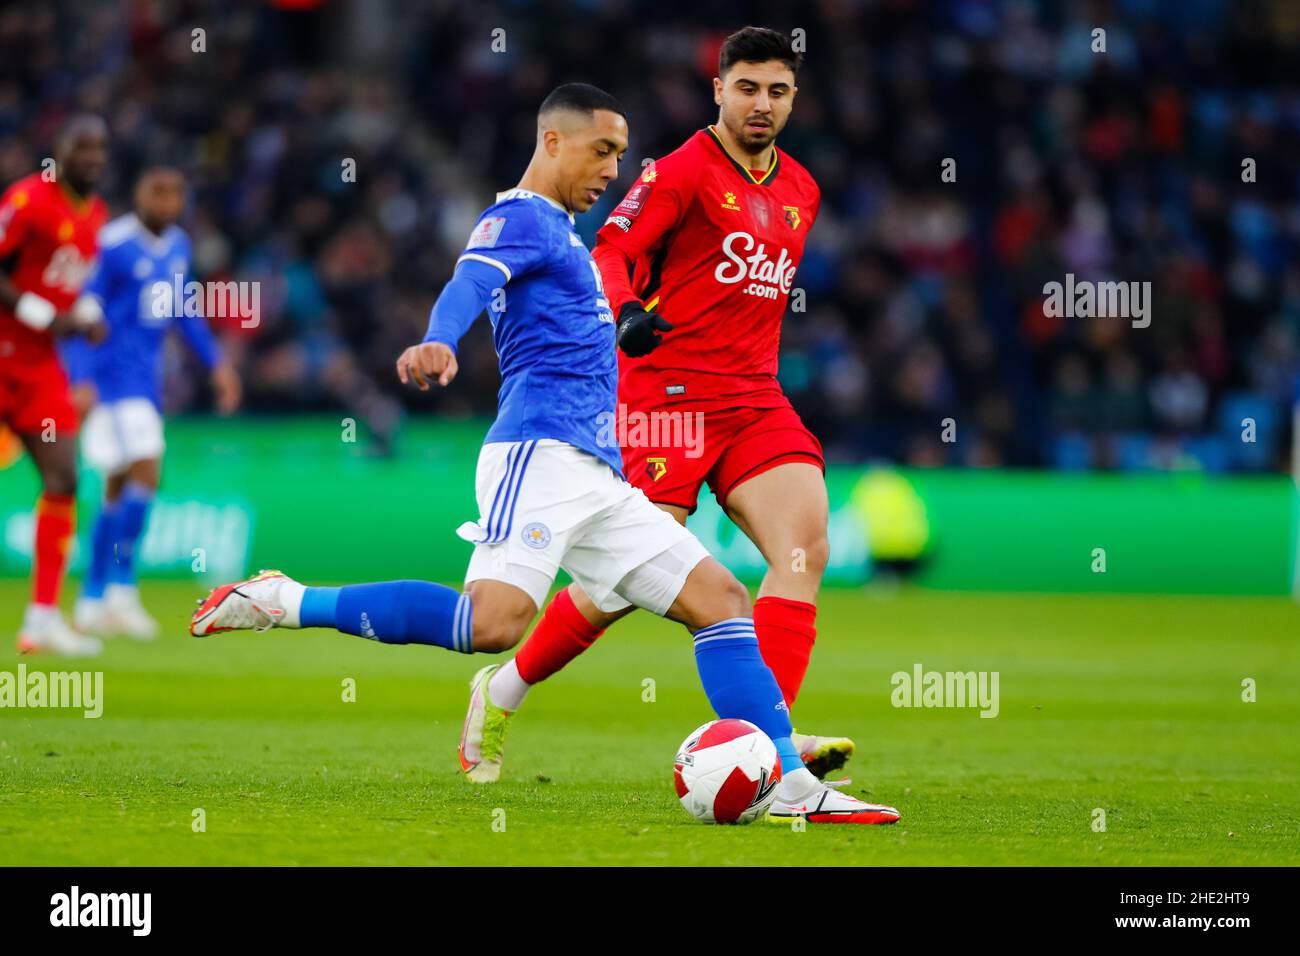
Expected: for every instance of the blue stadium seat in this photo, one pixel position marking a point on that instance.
(1212, 451)
(1133, 452)
(1072, 452)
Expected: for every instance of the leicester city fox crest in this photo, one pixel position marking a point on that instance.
(536, 535)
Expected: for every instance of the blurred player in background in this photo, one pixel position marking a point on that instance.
(48, 229)
(143, 258)
(550, 488)
(714, 233)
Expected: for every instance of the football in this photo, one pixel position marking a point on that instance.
(726, 772)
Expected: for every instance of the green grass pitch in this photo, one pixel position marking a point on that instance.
(1128, 704)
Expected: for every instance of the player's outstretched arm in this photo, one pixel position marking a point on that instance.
(461, 302)
(227, 389)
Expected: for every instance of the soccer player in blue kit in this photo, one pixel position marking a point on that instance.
(144, 257)
(550, 486)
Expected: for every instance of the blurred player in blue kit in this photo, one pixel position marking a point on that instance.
(144, 257)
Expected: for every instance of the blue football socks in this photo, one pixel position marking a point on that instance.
(133, 513)
(393, 612)
(103, 544)
(739, 684)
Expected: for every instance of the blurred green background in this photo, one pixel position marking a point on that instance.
(295, 493)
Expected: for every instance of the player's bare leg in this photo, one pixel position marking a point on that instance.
(502, 613)
(784, 511)
(598, 619)
(43, 628)
(111, 605)
(711, 594)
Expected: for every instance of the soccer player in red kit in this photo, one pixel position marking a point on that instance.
(712, 234)
(48, 231)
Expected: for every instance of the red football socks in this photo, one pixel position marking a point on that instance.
(786, 631)
(56, 520)
(560, 636)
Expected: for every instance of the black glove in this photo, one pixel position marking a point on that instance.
(638, 330)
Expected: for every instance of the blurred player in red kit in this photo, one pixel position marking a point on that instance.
(712, 235)
(48, 230)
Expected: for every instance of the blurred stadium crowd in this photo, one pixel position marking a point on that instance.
(924, 298)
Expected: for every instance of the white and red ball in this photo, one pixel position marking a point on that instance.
(726, 772)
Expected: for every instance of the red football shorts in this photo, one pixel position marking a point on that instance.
(35, 395)
(670, 457)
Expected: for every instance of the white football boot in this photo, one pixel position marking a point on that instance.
(825, 804)
(255, 605)
(90, 616)
(127, 615)
(45, 632)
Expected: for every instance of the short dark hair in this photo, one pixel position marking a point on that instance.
(757, 45)
(580, 98)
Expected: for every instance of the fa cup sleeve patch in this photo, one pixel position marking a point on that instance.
(486, 233)
(634, 201)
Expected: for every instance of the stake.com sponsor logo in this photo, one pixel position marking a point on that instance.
(770, 278)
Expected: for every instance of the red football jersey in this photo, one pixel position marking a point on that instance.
(53, 237)
(715, 248)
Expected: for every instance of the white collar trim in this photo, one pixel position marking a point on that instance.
(519, 191)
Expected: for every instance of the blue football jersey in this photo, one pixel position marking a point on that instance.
(136, 280)
(552, 325)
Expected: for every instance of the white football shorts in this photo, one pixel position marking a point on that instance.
(546, 505)
(118, 434)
